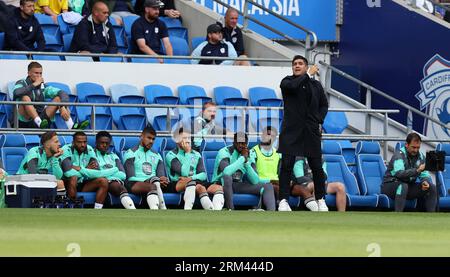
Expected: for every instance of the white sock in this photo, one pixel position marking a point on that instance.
(126, 201)
(218, 201)
(69, 123)
(98, 206)
(311, 204)
(162, 204)
(61, 192)
(206, 202)
(189, 197)
(38, 121)
(153, 201)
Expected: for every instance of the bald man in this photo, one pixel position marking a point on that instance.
(232, 33)
(95, 34)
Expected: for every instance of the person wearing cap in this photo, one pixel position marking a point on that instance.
(148, 31)
(168, 10)
(214, 46)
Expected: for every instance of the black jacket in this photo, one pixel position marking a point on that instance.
(89, 36)
(305, 108)
(235, 37)
(21, 34)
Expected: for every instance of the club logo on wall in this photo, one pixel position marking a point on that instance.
(434, 96)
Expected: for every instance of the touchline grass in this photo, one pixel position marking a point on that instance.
(117, 232)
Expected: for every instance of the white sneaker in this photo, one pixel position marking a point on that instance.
(312, 206)
(322, 205)
(284, 206)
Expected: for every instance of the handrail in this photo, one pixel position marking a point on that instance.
(309, 33)
(370, 89)
(124, 56)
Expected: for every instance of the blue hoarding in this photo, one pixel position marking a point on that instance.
(318, 16)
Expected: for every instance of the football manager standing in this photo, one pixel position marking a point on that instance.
(305, 108)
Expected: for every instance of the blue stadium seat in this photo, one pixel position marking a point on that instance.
(46, 57)
(335, 122)
(90, 89)
(2, 40)
(64, 27)
(132, 117)
(72, 97)
(195, 41)
(67, 139)
(179, 32)
(171, 22)
(234, 121)
(78, 58)
(94, 93)
(121, 39)
(180, 48)
(189, 94)
(443, 177)
(89, 197)
(13, 57)
(13, 151)
(229, 96)
(144, 60)
(158, 118)
(261, 96)
(128, 22)
(338, 172)
(399, 145)
(128, 142)
(209, 153)
(370, 171)
(67, 40)
(111, 59)
(159, 94)
(49, 27)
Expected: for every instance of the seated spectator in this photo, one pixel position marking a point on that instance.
(45, 159)
(167, 10)
(108, 160)
(80, 167)
(233, 34)
(145, 170)
(95, 34)
(214, 46)
(205, 124)
(148, 31)
(233, 163)
(187, 174)
(406, 177)
(33, 89)
(302, 185)
(52, 8)
(23, 31)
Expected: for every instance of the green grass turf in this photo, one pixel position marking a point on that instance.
(117, 232)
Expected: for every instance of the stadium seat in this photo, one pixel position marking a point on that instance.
(13, 151)
(67, 40)
(335, 122)
(132, 117)
(209, 153)
(89, 197)
(158, 118)
(79, 58)
(2, 40)
(46, 58)
(49, 28)
(338, 172)
(234, 120)
(171, 22)
(443, 177)
(128, 143)
(64, 27)
(144, 60)
(94, 93)
(72, 97)
(180, 48)
(13, 57)
(229, 96)
(179, 32)
(159, 94)
(190, 94)
(370, 171)
(195, 41)
(121, 39)
(261, 96)
(128, 22)
(111, 59)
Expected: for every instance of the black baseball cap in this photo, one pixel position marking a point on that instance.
(214, 28)
(153, 3)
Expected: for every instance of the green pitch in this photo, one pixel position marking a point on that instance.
(116, 232)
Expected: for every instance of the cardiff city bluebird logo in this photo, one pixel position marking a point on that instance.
(435, 95)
